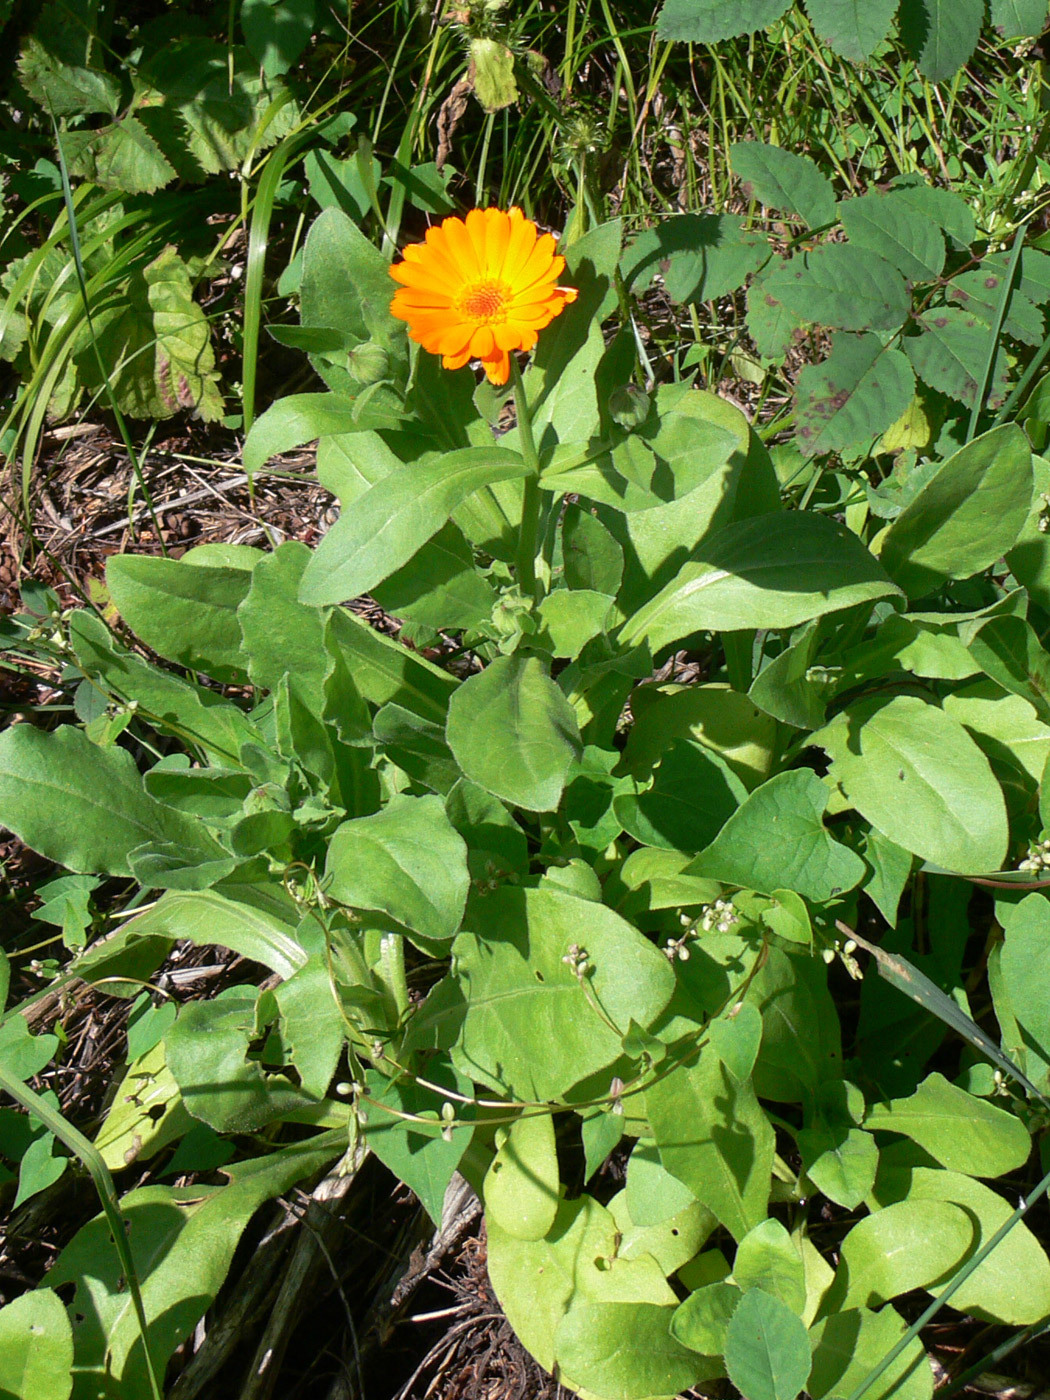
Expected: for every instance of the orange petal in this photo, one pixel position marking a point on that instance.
(482, 342)
(520, 244)
(456, 361)
(461, 250)
(497, 367)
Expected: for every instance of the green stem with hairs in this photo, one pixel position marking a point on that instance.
(531, 587)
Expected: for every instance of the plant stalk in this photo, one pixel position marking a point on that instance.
(530, 586)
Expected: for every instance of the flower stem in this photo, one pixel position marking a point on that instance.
(529, 585)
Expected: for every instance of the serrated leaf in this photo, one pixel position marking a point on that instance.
(889, 226)
(770, 323)
(184, 366)
(1017, 19)
(123, 156)
(700, 256)
(979, 292)
(946, 208)
(848, 288)
(711, 21)
(66, 89)
(783, 180)
(859, 391)
(941, 34)
(951, 353)
(853, 28)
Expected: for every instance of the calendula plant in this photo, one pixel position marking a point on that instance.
(585, 876)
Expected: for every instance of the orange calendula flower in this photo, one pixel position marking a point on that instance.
(479, 288)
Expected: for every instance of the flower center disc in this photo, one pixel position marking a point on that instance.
(484, 302)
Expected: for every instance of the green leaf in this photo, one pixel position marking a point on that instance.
(777, 840)
(694, 794)
(38, 1169)
(713, 1135)
(980, 293)
(84, 806)
(855, 394)
(951, 353)
(783, 180)
(283, 637)
(912, 1244)
(702, 1320)
(521, 1188)
(194, 714)
(536, 1280)
(749, 575)
(186, 612)
(713, 715)
(147, 1112)
(711, 21)
(771, 324)
(396, 516)
(967, 515)
(890, 226)
(767, 1349)
(768, 1258)
(736, 1037)
(208, 1054)
(277, 33)
(1008, 650)
(529, 1027)
(63, 88)
(653, 1195)
(1013, 1284)
(699, 256)
(513, 732)
(915, 773)
(182, 1247)
(853, 28)
(184, 365)
(1018, 18)
(1022, 1001)
(293, 420)
(593, 559)
(122, 156)
(847, 1346)
(624, 1351)
(36, 1348)
(312, 1029)
(839, 1158)
(672, 1242)
(381, 669)
(947, 209)
(962, 1132)
(848, 288)
(941, 34)
(406, 861)
(423, 1155)
(440, 586)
